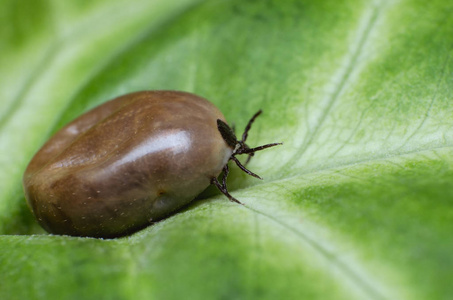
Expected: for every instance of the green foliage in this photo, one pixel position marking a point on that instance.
(357, 203)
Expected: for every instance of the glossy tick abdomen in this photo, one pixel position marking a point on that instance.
(125, 164)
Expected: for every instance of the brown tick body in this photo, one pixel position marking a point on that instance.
(129, 162)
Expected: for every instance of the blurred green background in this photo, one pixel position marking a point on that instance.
(357, 203)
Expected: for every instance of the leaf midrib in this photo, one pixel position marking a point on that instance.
(345, 75)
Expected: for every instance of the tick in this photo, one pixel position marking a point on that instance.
(130, 162)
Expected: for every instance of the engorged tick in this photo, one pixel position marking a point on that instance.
(130, 162)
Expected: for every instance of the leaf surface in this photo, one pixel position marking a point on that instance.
(357, 203)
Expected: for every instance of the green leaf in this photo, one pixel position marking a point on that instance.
(357, 203)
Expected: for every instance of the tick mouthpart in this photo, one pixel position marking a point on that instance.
(239, 147)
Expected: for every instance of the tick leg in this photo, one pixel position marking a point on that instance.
(226, 171)
(249, 125)
(251, 150)
(244, 168)
(249, 157)
(222, 186)
(233, 127)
